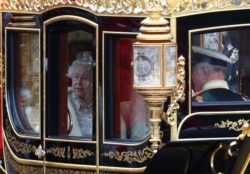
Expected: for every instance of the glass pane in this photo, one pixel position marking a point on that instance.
(70, 92)
(126, 113)
(29, 80)
(23, 67)
(219, 75)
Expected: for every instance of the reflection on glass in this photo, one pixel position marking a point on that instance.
(131, 113)
(29, 79)
(212, 40)
(80, 95)
(139, 117)
(171, 53)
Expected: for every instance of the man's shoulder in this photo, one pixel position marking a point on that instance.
(218, 94)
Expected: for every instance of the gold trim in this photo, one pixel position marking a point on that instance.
(59, 152)
(232, 125)
(169, 8)
(17, 145)
(67, 168)
(21, 168)
(26, 24)
(80, 153)
(18, 134)
(220, 114)
(139, 156)
(3, 170)
(15, 158)
(246, 132)
(178, 92)
(230, 147)
(241, 147)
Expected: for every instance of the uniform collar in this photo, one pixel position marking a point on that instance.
(212, 84)
(215, 84)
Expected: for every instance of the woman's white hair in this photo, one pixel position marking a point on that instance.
(82, 58)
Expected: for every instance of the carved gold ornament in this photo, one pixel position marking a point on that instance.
(126, 7)
(178, 92)
(139, 156)
(232, 125)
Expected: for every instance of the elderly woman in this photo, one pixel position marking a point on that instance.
(80, 95)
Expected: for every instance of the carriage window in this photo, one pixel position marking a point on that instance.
(219, 75)
(70, 85)
(126, 113)
(23, 67)
(219, 67)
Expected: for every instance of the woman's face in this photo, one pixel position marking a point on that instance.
(82, 82)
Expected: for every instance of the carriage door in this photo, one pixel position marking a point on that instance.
(22, 101)
(70, 93)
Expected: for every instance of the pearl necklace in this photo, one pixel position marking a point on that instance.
(82, 105)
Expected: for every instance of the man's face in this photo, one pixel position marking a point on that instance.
(199, 77)
(82, 82)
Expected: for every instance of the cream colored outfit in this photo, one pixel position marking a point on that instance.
(82, 122)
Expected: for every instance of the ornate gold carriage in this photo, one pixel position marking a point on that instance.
(40, 38)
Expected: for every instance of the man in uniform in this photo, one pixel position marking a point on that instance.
(209, 70)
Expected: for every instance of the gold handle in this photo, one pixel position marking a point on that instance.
(212, 158)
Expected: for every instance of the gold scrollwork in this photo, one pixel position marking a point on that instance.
(178, 92)
(245, 131)
(80, 153)
(126, 7)
(232, 125)
(15, 144)
(58, 151)
(131, 156)
(20, 168)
